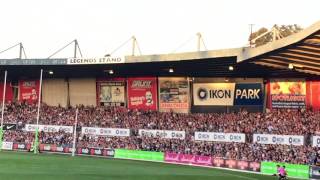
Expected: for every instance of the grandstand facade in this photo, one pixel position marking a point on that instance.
(212, 108)
(292, 61)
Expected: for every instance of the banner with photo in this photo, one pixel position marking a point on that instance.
(29, 90)
(288, 93)
(213, 94)
(111, 92)
(142, 93)
(174, 94)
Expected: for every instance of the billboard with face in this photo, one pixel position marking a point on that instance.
(142, 93)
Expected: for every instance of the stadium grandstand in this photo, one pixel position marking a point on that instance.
(245, 108)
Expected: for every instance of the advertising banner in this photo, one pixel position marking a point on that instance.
(101, 60)
(21, 146)
(278, 139)
(234, 164)
(9, 127)
(29, 90)
(105, 131)
(9, 91)
(315, 172)
(315, 141)
(213, 94)
(7, 145)
(188, 159)
(54, 148)
(288, 94)
(142, 93)
(249, 94)
(293, 170)
(174, 94)
(220, 137)
(314, 94)
(111, 92)
(96, 152)
(140, 155)
(48, 128)
(165, 134)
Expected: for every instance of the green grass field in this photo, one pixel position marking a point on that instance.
(27, 166)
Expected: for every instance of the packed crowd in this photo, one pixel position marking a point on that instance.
(275, 122)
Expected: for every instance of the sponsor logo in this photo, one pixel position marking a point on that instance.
(278, 139)
(141, 84)
(84, 150)
(220, 137)
(29, 83)
(10, 127)
(202, 94)
(21, 146)
(247, 93)
(166, 134)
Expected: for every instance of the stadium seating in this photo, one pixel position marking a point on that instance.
(286, 122)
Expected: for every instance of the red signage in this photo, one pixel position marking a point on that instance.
(314, 95)
(142, 93)
(29, 90)
(9, 92)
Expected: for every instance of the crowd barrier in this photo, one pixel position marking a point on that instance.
(294, 170)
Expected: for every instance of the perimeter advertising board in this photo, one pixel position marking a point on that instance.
(174, 94)
(187, 159)
(315, 172)
(7, 145)
(29, 90)
(142, 93)
(141, 155)
(293, 170)
(288, 93)
(111, 92)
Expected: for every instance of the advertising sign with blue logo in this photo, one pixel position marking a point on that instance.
(248, 94)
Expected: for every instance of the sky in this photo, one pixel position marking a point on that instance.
(160, 26)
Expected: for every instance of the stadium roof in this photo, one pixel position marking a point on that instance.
(301, 51)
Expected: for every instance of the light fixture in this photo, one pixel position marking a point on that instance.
(290, 66)
(111, 71)
(50, 72)
(226, 79)
(171, 70)
(231, 68)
